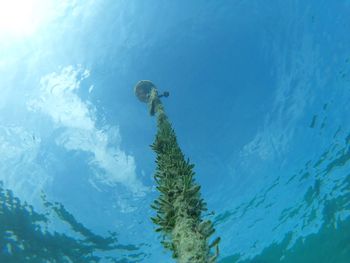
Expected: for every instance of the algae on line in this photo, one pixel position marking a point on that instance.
(179, 206)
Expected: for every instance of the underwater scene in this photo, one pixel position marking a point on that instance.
(174, 131)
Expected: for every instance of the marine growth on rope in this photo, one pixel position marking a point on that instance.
(179, 206)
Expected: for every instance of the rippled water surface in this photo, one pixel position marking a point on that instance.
(259, 99)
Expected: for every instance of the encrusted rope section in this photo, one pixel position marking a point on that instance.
(179, 206)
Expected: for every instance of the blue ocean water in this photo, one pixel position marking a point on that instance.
(259, 99)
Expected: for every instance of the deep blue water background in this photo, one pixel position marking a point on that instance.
(259, 99)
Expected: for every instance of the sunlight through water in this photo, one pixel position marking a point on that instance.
(259, 101)
(20, 17)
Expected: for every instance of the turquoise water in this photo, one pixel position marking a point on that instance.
(259, 99)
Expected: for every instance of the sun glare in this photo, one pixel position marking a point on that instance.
(19, 17)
